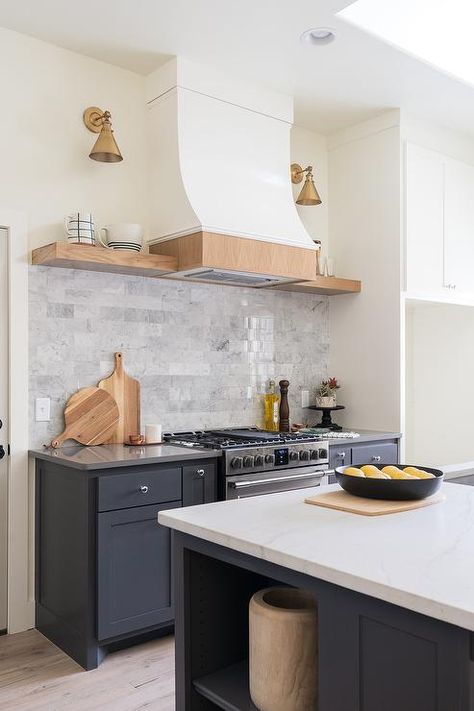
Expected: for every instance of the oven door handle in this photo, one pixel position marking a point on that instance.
(298, 477)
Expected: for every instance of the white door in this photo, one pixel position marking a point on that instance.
(4, 428)
(459, 226)
(424, 219)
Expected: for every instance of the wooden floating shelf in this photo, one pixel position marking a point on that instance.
(100, 259)
(329, 286)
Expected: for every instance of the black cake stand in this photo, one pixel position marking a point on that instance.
(326, 421)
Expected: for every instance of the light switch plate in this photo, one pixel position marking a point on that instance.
(305, 398)
(42, 409)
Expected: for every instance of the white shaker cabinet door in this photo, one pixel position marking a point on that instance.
(459, 227)
(424, 219)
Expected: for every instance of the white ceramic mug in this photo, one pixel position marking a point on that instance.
(124, 235)
(152, 434)
(79, 228)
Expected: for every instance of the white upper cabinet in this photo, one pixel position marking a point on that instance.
(459, 227)
(439, 225)
(424, 219)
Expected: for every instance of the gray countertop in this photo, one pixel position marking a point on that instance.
(107, 456)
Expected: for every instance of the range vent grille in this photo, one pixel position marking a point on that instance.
(237, 278)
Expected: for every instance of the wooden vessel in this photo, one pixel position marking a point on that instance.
(283, 642)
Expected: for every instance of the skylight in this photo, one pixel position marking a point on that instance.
(439, 32)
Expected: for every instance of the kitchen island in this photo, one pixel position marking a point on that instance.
(395, 596)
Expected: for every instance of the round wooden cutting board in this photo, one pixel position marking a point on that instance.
(91, 415)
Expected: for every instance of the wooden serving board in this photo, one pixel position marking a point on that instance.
(126, 392)
(90, 416)
(342, 501)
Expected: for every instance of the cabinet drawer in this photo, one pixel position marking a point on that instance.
(381, 453)
(339, 456)
(154, 486)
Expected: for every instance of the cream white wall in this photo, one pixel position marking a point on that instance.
(365, 236)
(45, 170)
(439, 383)
(310, 148)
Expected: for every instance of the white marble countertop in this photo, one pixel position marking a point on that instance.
(422, 560)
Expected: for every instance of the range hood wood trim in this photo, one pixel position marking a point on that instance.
(100, 259)
(329, 286)
(217, 251)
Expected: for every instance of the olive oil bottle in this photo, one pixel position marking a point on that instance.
(271, 400)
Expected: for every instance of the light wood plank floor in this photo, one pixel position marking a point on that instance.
(34, 674)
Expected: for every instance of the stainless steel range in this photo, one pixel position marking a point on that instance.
(255, 462)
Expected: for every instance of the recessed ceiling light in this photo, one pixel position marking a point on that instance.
(318, 36)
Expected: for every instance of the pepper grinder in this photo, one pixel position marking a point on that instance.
(284, 407)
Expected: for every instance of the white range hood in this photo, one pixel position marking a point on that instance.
(221, 194)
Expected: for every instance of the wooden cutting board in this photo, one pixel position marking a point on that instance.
(342, 501)
(126, 392)
(90, 416)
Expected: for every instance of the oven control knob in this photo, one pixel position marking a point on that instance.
(293, 456)
(270, 458)
(314, 454)
(248, 462)
(258, 461)
(323, 453)
(304, 455)
(236, 463)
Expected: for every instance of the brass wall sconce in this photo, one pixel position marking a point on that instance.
(308, 195)
(105, 148)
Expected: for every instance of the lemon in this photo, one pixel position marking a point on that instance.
(376, 474)
(419, 473)
(396, 473)
(372, 472)
(353, 471)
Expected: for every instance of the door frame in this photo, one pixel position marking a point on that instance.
(20, 612)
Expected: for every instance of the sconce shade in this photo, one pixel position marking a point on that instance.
(308, 195)
(105, 148)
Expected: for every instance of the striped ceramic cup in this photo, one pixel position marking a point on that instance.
(79, 228)
(124, 235)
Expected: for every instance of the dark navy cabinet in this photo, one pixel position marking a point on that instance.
(103, 562)
(134, 570)
(199, 487)
(372, 655)
(378, 451)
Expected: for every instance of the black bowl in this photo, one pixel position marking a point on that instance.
(390, 489)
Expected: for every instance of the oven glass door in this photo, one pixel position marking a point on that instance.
(242, 486)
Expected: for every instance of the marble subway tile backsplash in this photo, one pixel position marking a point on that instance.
(203, 353)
